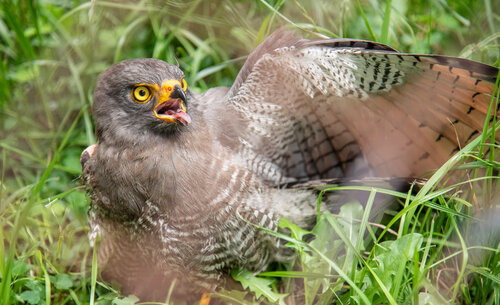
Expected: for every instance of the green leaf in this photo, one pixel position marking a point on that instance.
(389, 258)
(34, 285)
(297, 232)
(63, 281)
(425, 298)
(258, 285)
(348, 213)
(20, 268)
(329, 244)
(232, 296)
(130, 300)
(402, 248)
(30, 296)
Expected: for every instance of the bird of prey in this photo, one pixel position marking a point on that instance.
(181, 182)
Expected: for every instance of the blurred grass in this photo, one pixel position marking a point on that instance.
(52, 52)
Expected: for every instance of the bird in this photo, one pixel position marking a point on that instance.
(182, 183)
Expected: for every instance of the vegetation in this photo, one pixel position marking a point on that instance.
(442, 247)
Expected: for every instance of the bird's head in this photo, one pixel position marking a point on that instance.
(138, 96)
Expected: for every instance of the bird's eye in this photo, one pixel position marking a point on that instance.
(141, 94)
(184, 84)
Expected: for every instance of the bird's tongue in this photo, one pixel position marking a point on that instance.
(182, 117)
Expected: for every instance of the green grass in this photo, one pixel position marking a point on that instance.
(52, 52)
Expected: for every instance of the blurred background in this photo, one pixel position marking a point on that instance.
(53, 51)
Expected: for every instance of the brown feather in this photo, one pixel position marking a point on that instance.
(173, 201)
(421, 111)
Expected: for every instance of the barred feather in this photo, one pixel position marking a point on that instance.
(188, 202)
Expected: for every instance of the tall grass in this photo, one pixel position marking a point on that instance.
(52, 53)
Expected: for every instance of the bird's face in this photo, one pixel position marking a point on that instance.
(139, 96)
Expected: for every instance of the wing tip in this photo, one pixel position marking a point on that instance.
(482, 71)
(353, 43)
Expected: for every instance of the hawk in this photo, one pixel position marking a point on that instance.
(181, 182)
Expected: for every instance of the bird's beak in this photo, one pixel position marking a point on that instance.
(170, 106)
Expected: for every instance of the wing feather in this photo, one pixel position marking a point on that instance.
(335, 108)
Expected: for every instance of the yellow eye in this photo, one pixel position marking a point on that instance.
(141, 94)
(184, 84)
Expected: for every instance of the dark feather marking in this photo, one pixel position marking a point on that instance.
(396, 77)
(475, 132)
(346, 161)
(326, 139)
(338, 134)
(332, 148)
(470, 109)
(331, 124)
(439, 137)
(455, 150)
(305, 149)
(302, 153)
(351, 43)
(437, 75)
(489, 72)
(322, 157)
(351, 158)
(329, 168)
(347, 144)
(385, 77)
(424, 156)
(288, 138)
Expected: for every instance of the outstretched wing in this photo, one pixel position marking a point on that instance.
(307, 110)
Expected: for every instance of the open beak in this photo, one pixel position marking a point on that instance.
(171, 103)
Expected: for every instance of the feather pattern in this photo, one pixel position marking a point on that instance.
(188, 202)
(337, 108)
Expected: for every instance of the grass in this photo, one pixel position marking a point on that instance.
(443, 239)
